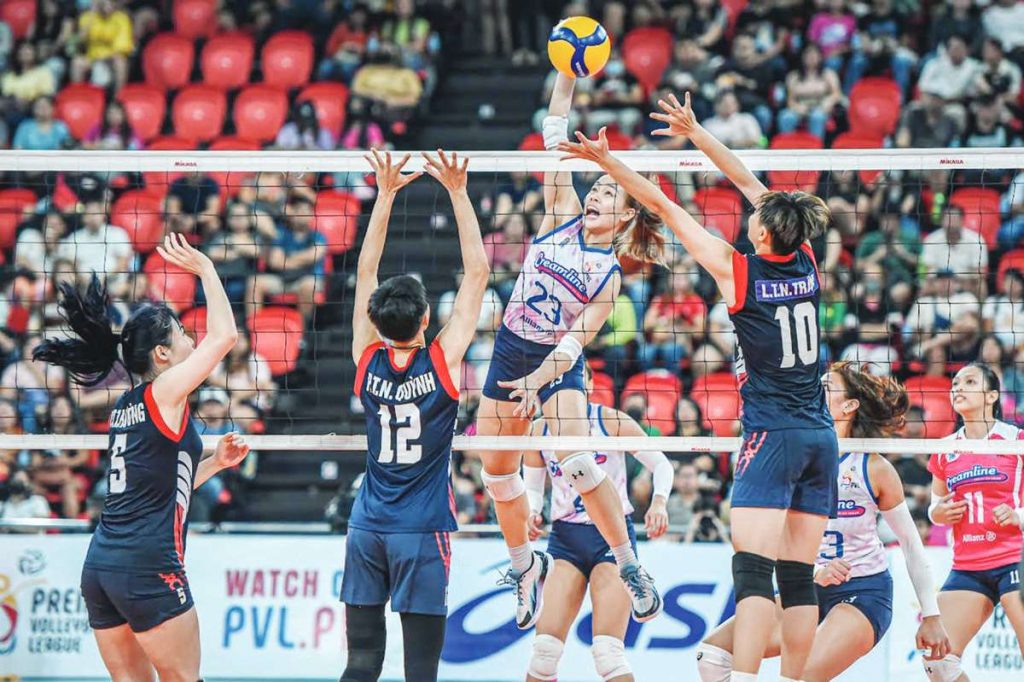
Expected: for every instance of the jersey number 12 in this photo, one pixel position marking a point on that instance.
(394, 440)
(806, 334)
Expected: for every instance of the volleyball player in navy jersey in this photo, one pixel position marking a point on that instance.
(398, 545)
(784, 486)
(134, 584)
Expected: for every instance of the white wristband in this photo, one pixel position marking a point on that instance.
(570, 345)
(931, 508)
(555, 131)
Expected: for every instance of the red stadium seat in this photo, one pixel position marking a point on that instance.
(718, 396)
(647, 52)
(1011, 260)
(81, 107)
(276, 334)
(142, 215)
(145, 107)
(662, 389)
(157, 182)
(287, 59)
(13, 203)
(260, 111)
(337, 219)
(167, 61)
(169, 283)
(226, 61)
(931, 393)
(790, 180)
(981, 211)
(19, 15)
(875, 106)
(860, 141)
(722, 209)
(199, 112)
(330, 101)
(604, 390)
(195, 18)
(194, 322)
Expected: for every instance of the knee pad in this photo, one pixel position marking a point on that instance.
(505, 487)
(713, 664)
(796, 584)
(946, 670)
(583, 473)
(366, 635)
(609, 657)
(547, 651)
(752, 576)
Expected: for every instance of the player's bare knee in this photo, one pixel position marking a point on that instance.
(714, 664)
(609, 657)
(584, 474)
(945, 670)
(503, 487)
(796, 584)
(547, 651)
(752, 576)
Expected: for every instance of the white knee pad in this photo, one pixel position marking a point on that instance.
(584, 474)
(713, 664)
(503, 488)
(547, 650)
(609, 657)
(946, 670)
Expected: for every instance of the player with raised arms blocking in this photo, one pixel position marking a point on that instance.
(581, 556)
(785, 479)
(398, 545)
(565, 292)
(134, 585)
(852, 572)
(980, 497)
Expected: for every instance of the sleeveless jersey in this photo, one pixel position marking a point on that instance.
(853, 534)
(560, 276)
(410, 421)
(778, 362)
(566, 504)
(152, 471)
(984, 482)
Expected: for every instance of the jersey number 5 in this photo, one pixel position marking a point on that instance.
(806, 334)
(399, 424)
(118, 477)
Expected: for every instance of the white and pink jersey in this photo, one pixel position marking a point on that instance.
(560, 276)
(984, 482)
(853, 534)
(566, 504)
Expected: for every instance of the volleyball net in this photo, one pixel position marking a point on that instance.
(921, 273)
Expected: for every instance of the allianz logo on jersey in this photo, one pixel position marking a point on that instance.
(556, 470)
(979, 473)
(848, 509)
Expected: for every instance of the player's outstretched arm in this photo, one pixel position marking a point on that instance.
(561, 203)
(389, 181)
(461, 328)
(681, 121)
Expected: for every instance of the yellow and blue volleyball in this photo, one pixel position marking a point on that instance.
(579, 47)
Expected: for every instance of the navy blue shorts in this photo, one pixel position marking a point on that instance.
(788, 469)
(410, 569)
(514, 357)
(993, 583)
(869, 594)
(142, 600)
(582, 545)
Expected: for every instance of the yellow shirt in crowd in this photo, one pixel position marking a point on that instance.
(106, 36)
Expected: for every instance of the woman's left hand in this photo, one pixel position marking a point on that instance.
(231, 450)
(656, 518)
(1005, 515)
(587, 149)
(932, 639)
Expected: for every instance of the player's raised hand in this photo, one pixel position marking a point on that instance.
(949, 512)
(679, 118)
(1005, 515)
(231, 450)
(448, 172)
(179, 252)
(390, 178)
(836, 572)
(932, 638)
(595, 150)
(656, 518)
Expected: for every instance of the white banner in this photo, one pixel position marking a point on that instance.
(268, 608)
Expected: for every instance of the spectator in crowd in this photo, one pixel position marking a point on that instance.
(707, 21)
(620, 335)
(30, 384)
(1011, 206)
(954, 17)
(833, 30)
(11, 460)
(346, 48)
(97, 246)
(913, 469)
(849, 204)
(42, 132)
(895, 250)
(768, 22)
(106, 36)
(114, 133)
(958, 249)
(812, 93)
(1003, 313)
(21, 501)
(212, 418)
(693, 70)
(686, 497)
(26, 82)
(719, 343)
(959, 345)
(522, 194)
(941, 302)
(878, 46)
(751, 78)
(672, 321)
(491, 309)
(732, 127)
(38, 242)
(1004, 21)
(615, 99)
(927, 123)
(706, 524)
(832, 311)
(998, 77)
(950, 75)
(385, 82)
(58, 470)
(6, 43)
(193, 206)
(295, 262)
(984, 129)
(54, 36)
(236, 250)
(361, 133)
(410, 33)
(993, 354)
(635, 405)
(873, 308)
(247, 379)
(303, 132)
(690, 419)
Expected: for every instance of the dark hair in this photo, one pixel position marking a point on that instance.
(809, 46)
(996, 43)
(990, 382)
(883, 401)
(16, 66)
(397, 306)
(124, 131)
(643, 239)
(91, 356)
(957, 36)
(792, 218)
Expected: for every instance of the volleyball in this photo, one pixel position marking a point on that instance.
(579, 47)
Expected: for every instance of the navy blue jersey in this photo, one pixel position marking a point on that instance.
(152, 471)
(778, 361)
(410, 421)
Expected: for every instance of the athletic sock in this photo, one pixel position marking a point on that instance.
(522, 557)
(624, 555)
(742, 677)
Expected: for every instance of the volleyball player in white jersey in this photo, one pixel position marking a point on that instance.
(581, 556)
(852, 572)
(566, 290)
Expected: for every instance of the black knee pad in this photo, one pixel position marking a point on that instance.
(366, 632)
(752, 576)
(796, 584)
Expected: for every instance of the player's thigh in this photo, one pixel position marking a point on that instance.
(610, 601)
(843, 637)
(1014, 607)
(565, 413)
(801, 537)
(564, 591)
(495, 418)
(173, 647)
(124, 658)
(758, 530)
(963, 614)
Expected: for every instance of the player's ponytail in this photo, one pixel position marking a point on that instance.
(643, 238)
(792, 218)
(883, 402)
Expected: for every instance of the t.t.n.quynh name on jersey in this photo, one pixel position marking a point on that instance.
(407, 391)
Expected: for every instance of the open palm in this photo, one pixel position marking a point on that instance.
(390, 178)
(680, 118)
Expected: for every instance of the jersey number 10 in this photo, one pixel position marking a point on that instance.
(399, 424)
(806, 334)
